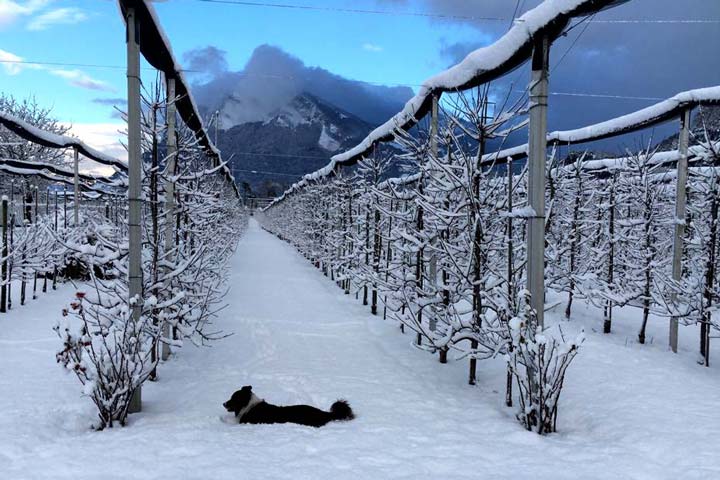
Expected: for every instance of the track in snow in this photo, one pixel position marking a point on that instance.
(626, 412)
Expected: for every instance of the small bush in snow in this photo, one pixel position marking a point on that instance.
(538, 361)
(108, 351)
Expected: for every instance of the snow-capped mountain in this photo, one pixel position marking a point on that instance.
(287, 142)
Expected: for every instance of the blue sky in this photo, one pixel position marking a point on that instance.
(372, 48)
(636, 60)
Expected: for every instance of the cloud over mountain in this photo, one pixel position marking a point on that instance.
(272, 77)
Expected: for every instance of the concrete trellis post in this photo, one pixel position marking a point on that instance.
(76, 172)
(169, 193)
(135, 179)
(537, 151)
(680, 210)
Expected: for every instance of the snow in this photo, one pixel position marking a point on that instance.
(628, 411)
(656, 158)
(641, 118)
(57, 173)
(326, 141)
(29, 131)
(633, 121)
(524, 212)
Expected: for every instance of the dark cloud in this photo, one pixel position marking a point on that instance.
(116, 104)
(207, 62)
(110, 101)
(456, 52)
(272, 77)
(647, 60)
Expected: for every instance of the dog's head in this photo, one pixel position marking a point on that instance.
(239, 400)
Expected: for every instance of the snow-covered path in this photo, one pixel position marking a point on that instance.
(628, 412)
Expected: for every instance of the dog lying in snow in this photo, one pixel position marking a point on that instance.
(248, 408)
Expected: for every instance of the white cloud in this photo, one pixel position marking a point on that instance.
(105, 137)
(11, 10)
(8, 62)
(82, 80)
(371, 47)
(12, 65)
(59, 16)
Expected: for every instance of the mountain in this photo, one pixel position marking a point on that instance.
(271, 78)
(292, 140)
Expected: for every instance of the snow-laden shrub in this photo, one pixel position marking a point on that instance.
(110, 352)
(34, 250)
(538, 360)
(107, 350)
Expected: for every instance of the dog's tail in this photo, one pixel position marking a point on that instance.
(341, 410)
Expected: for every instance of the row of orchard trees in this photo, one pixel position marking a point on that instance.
(34, 220)
(37, 209)
(610, 238)
(442, 251)
(191, 221)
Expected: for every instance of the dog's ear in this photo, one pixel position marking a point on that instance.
(247, 388)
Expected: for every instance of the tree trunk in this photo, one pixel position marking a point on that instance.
(709, 278)
(607, 313)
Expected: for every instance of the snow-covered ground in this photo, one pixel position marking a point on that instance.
(628, 411)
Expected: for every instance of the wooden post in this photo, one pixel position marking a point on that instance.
(135, 180)
(537, 151)
(680, 210)
(4, 254)
(169, 195)
(76, 172)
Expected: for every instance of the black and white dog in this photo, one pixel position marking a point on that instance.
(248, 408)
